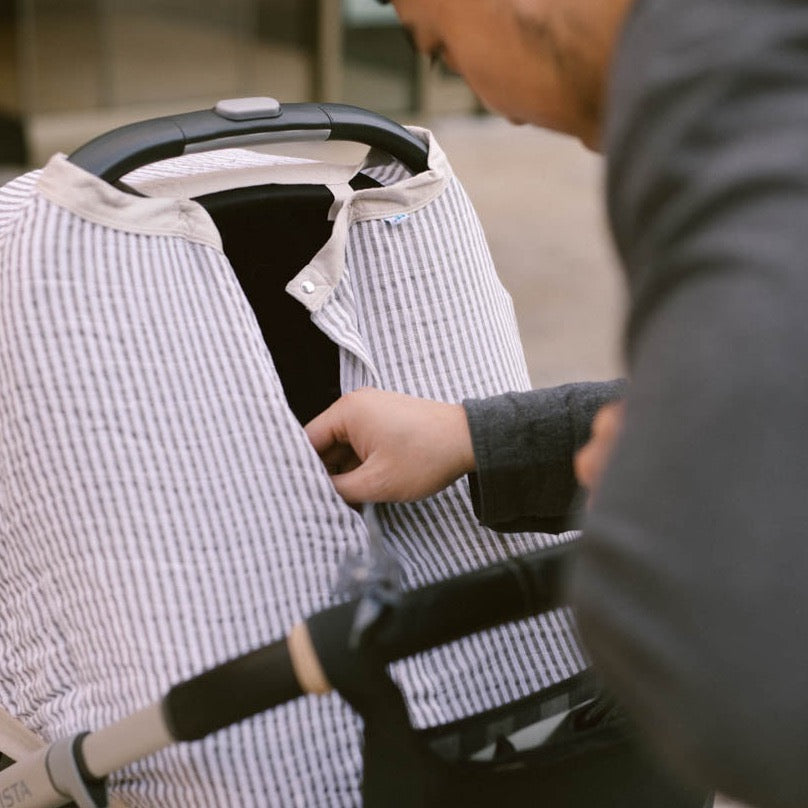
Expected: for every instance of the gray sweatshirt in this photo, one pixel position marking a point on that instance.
(692, 586)
(523, 446)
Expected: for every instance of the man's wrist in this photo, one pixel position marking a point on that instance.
(462, 447)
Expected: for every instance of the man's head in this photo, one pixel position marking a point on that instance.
(543, 62)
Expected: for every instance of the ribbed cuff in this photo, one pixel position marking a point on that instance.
(524, 444)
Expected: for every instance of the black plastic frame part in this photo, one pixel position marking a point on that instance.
(116, 153)
(422, 619)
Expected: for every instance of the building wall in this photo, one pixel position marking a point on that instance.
(71, 69)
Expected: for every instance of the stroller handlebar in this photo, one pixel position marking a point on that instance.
(315, 658)
(312, 658)
(244, 122)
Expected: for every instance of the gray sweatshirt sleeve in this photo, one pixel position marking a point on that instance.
(692, 587)
(523, 446)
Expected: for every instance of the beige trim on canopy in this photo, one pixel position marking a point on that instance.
(92, 199)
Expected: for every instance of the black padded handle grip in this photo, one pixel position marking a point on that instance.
(116, 153)
(231, 692)
(520, 587)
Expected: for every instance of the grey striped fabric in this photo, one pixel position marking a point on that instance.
(161, 509)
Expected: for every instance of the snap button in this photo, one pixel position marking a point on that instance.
(308, 287)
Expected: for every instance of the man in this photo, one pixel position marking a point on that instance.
(691, 583)
(544, 63)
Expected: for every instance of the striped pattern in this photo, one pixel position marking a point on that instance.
(14, 196)
(421, 311)
(161, 509)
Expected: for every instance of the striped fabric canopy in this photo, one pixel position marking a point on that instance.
(161, 509)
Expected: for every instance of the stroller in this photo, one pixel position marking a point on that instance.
(150, 352)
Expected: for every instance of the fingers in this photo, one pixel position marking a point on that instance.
(381, 446)
(591, 461)
(339, 458)
(357, 486)
(584, 464)
(323, 430)
(329, 435)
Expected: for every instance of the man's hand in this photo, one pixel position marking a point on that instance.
(387, 447)
(591, 460)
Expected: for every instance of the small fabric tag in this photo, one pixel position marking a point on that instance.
(397, 219)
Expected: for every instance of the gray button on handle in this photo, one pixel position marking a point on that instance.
(248, 109)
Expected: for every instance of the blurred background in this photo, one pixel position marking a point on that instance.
(72, 69)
